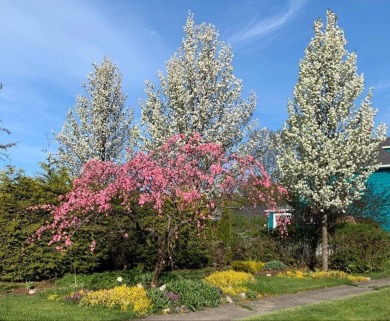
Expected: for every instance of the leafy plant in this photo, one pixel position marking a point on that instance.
(195, 294)
(358, 248)
(274, 265)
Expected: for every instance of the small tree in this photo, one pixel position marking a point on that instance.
(331, 145)
(161, 192)
(199, 93)
(99, 126)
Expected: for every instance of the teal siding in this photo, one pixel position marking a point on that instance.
(381, 180)
(271, 221)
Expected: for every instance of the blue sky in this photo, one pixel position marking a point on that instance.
(48, 47)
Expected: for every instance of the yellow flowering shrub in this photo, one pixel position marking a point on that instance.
(333, 275)
(247, 266)
(294, 274)
(230, 282)
(122, 297)
(337, 275)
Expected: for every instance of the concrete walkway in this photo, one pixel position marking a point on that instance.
(267, 305)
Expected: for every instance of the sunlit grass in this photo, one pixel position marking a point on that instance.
(370, 306)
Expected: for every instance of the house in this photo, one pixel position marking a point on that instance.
(276, 216)
(380, 179)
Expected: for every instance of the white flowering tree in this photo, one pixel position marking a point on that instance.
(198, 94)
(99, 126)
(330, 143)
(265, 145)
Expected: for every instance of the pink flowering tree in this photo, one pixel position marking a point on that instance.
(178, 184)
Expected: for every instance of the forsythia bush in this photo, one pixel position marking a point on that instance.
(294, 274)
(247, 266)
(230, 282)
(122, 296)
(334, 275)
(337, 275)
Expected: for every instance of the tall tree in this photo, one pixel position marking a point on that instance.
(199, 93)
(4, 147)
(99, 126)
(330, 143)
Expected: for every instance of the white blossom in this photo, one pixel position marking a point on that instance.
(99, 126)
(330, 143)
(198, 94)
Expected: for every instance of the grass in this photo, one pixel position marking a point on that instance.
(373, 306)
(39, 308)
(16, 305)
(277, 286)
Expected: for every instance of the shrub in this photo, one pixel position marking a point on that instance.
(123, 297)
(293, 274)
(359, 248)
(230, 282)
(274, 265)
(333, 275)
(194, 294)
(336, 275)
(247, 266)
(21, 261)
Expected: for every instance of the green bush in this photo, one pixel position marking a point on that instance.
(221, 248)
(194, 294)
(192, 249)
(274, 265)
(21, 261)
(358, 248)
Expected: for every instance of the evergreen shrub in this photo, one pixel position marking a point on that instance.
(358, 248)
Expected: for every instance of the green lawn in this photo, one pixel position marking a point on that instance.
(19, 306)
(39, 308)
(373, 306)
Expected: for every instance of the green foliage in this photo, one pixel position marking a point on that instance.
(195, 294)
(274, 265)
(105, 280)
(192, 248)
(221, 246)
(251, 240)
(359, 248)
(159, 300)
(21, 261)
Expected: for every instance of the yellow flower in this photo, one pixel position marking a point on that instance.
(230, 282)
(122, 297)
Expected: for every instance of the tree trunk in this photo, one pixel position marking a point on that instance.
(158, 267)
(325, 253)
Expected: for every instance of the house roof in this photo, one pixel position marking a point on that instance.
(383, 156)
